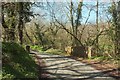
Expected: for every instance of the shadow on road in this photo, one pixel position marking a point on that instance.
(67, 68)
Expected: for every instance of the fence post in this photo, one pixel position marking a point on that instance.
(28, 48)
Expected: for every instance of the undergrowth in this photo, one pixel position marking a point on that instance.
(17, 63)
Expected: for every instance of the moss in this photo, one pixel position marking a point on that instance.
(17, 63)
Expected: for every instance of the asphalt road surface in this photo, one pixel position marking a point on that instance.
(59, 67)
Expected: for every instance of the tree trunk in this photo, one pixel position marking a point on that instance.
(9, 33)
(72, 23)
(118, 36)
(89, 52)
(118, 31)
(75, 22)
(21, 24)
(97, 27)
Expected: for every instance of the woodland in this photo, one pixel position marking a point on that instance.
(86, 30)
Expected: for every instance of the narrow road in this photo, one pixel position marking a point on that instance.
(59, 67)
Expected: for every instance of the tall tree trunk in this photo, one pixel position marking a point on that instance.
(72, 23)
(20, 31)
(12, 29)
(97, 4)
(21, 24)
(75, 22)
(114, 15)
(117, 33)
(118, 30)
(9, 33)
(3, 22)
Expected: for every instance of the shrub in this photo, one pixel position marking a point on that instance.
(37, 48)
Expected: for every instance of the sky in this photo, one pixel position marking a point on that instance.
(85, 11)
(102, 13)
(56, 0)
